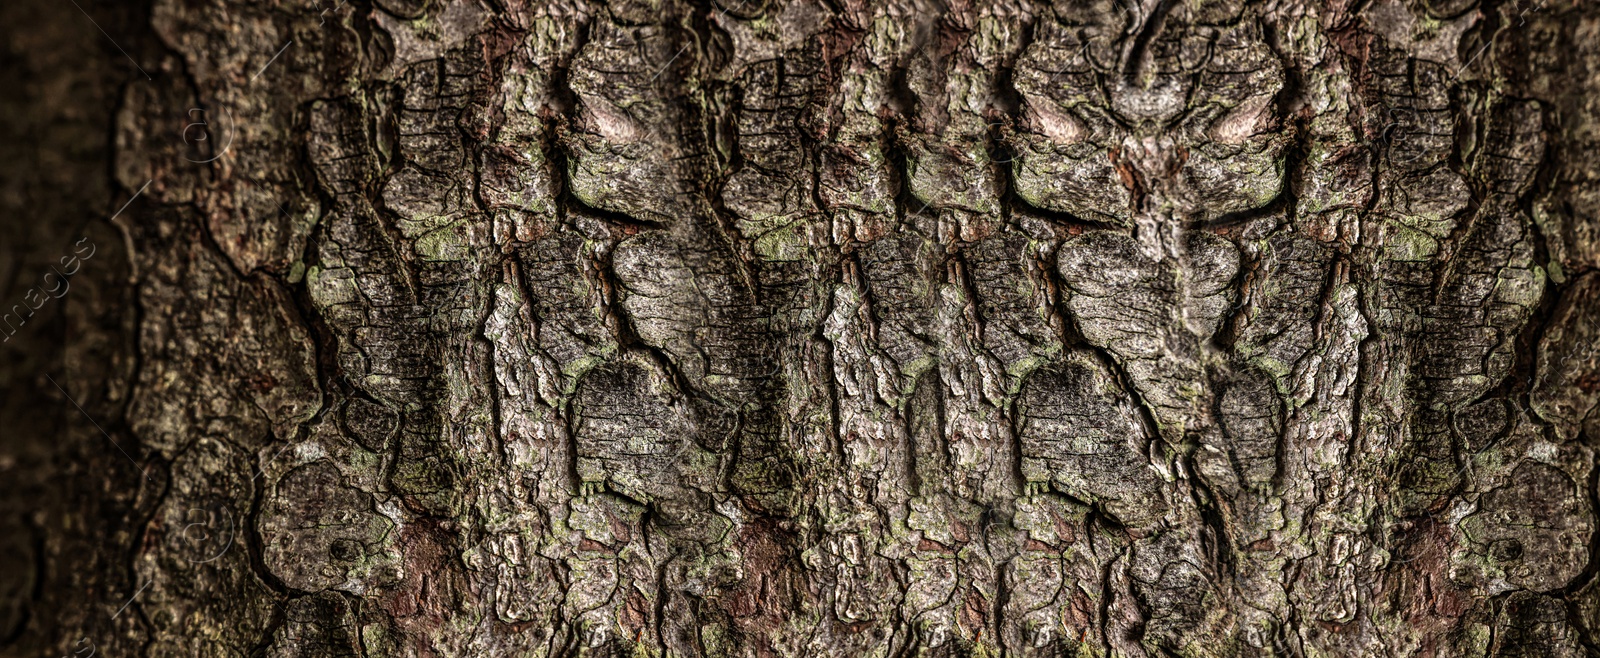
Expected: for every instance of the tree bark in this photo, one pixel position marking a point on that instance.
(801, 328)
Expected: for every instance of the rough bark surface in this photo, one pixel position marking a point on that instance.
(801, 328)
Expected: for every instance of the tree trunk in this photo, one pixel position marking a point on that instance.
(801, 328)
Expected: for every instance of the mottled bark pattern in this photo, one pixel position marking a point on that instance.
(836, 328)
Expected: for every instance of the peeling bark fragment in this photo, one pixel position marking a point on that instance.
(1567, 387)
(1513, 546)
(233, 360)
(318, 533)
(1080, 437)
(198, 541)
(1153, 313)
(321, 624)
(1534, 625)
(627, 152)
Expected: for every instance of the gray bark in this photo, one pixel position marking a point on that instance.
(801, 328)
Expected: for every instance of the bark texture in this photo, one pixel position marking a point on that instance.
(803, 328)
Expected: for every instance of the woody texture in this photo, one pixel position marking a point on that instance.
(799, 328)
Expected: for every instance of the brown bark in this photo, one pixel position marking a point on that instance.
(801, 328)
